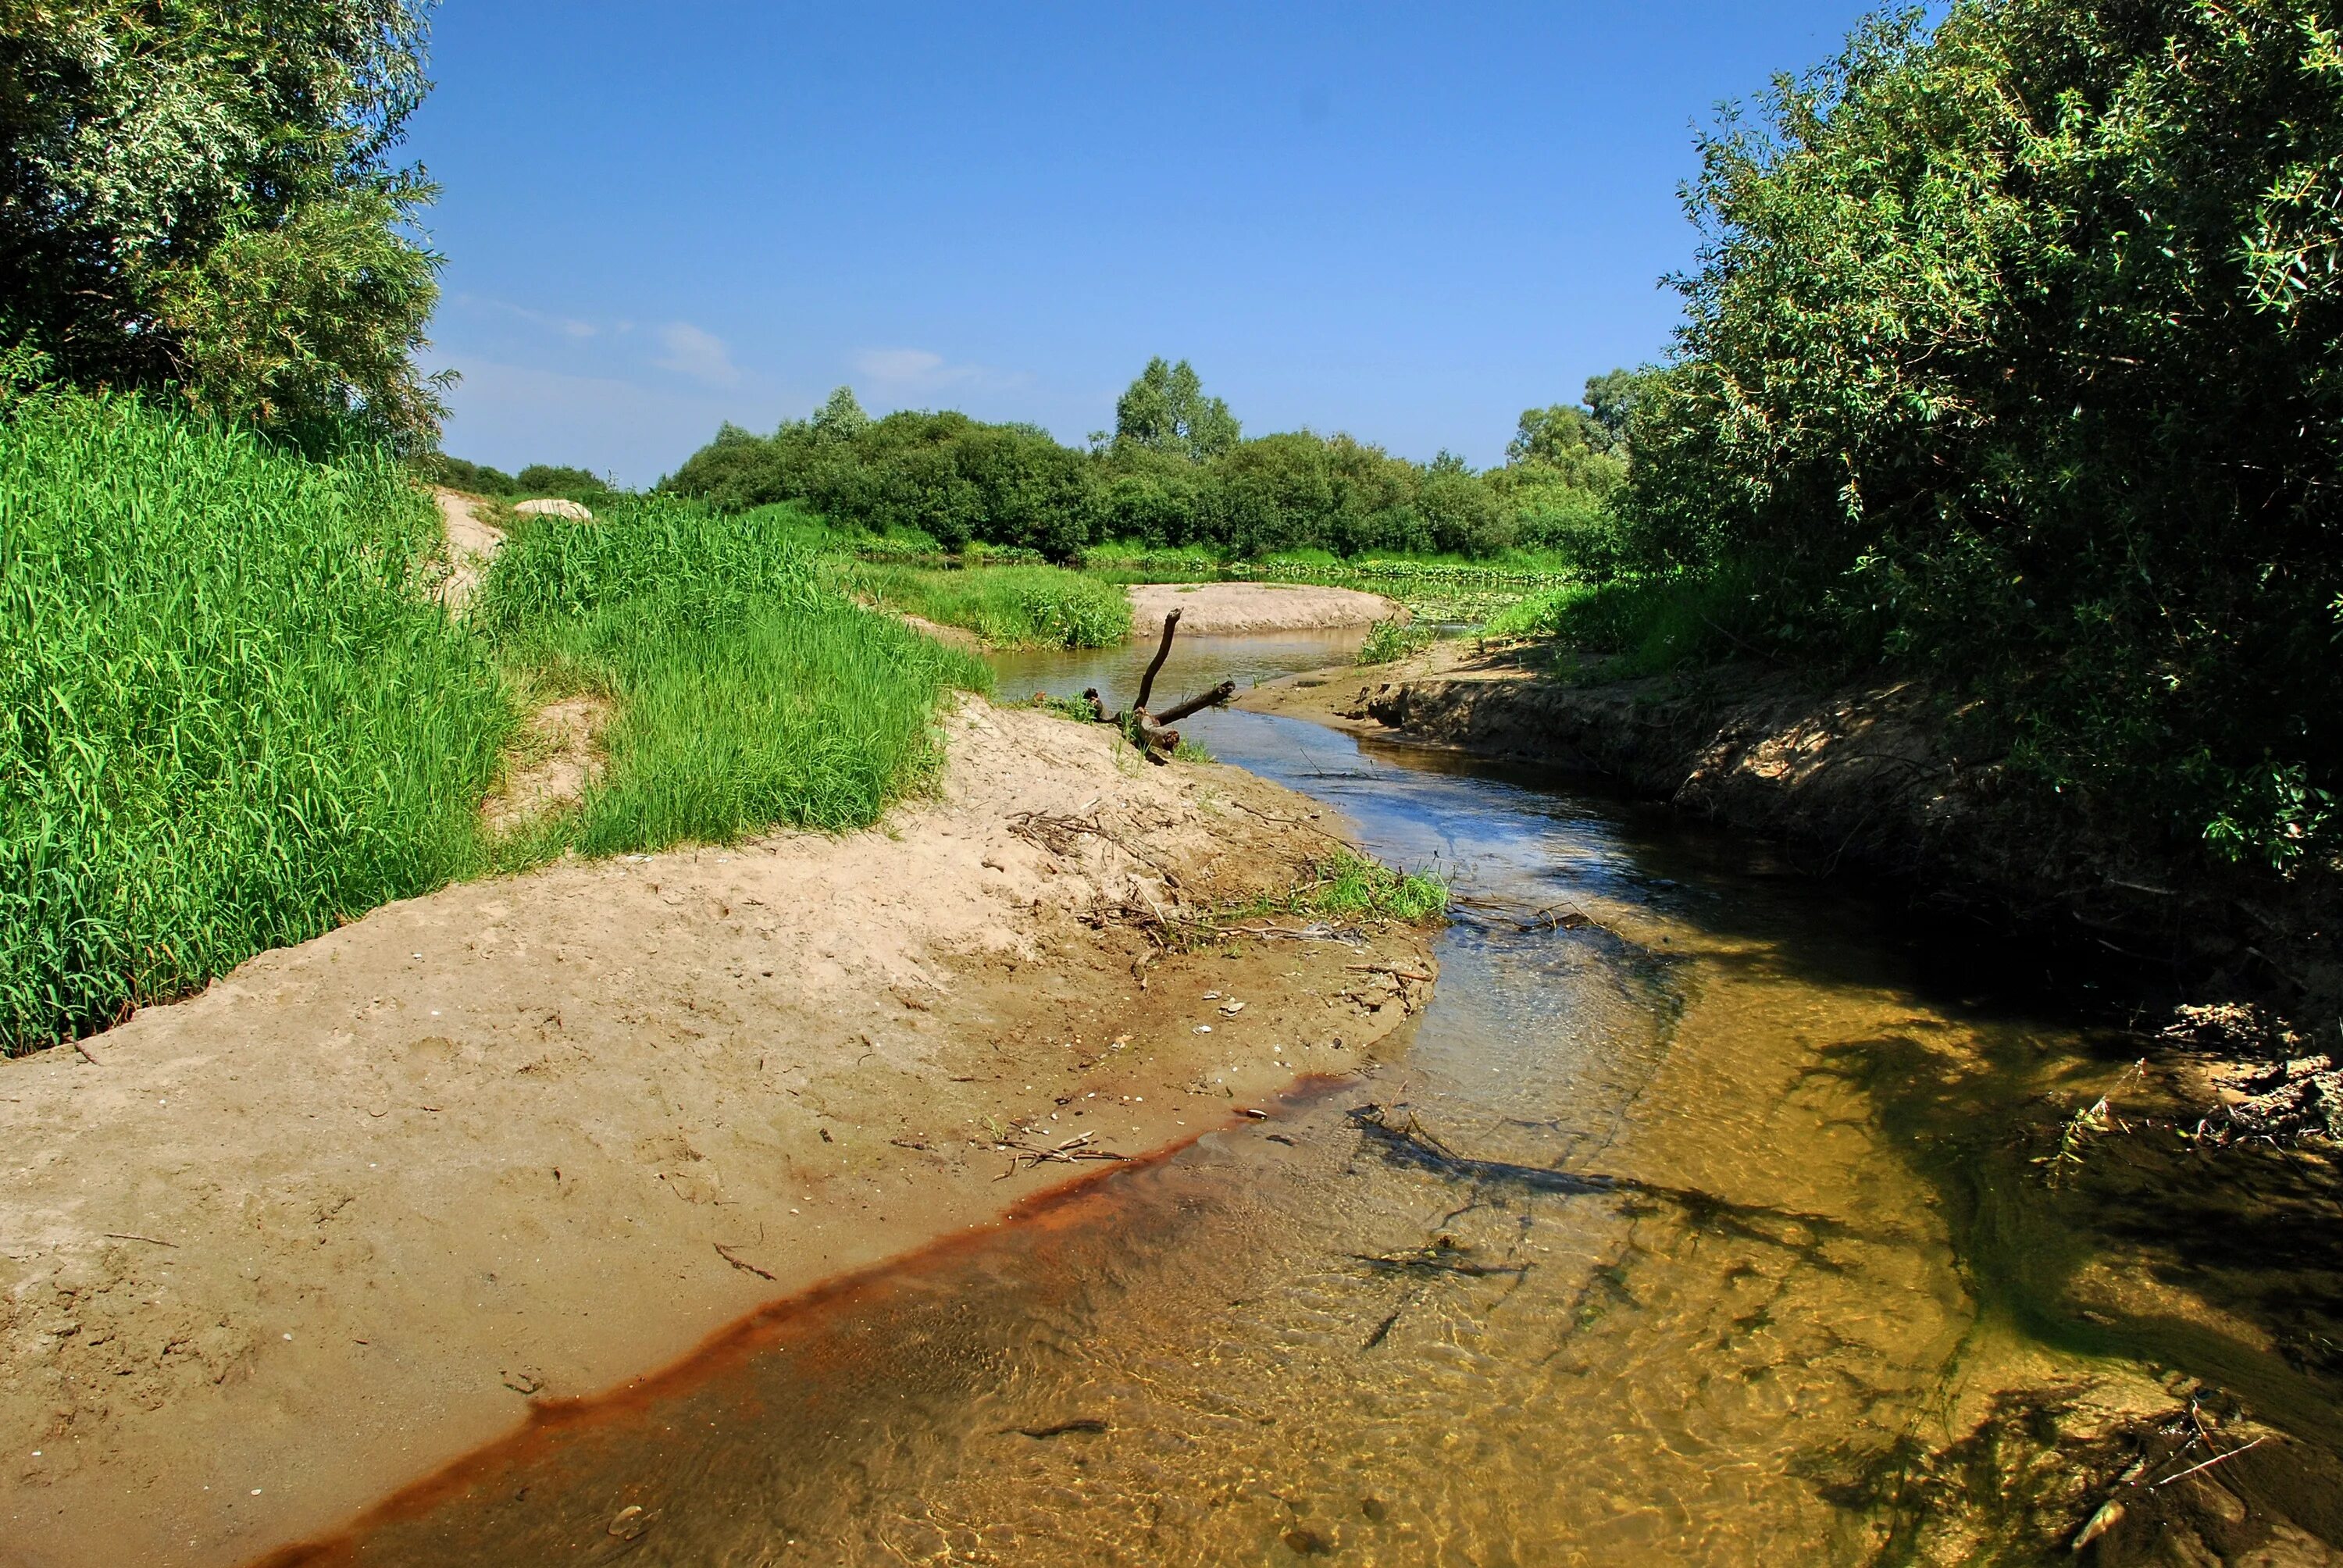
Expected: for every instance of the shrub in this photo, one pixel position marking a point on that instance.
(2011, 354)
(1390, 640)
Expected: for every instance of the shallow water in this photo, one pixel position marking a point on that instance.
(1662, 1231)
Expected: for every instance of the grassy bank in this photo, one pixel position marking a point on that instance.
(750, 691)
(1009, 607)
(230, 716)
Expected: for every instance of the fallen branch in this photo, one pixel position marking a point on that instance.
(1150, 731)
(1194, 705)
(2209, 1463)
(739, 1262)
(1023, 1156)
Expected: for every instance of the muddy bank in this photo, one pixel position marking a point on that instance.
(1214, 609)
(1861, 776)
(270, 1254)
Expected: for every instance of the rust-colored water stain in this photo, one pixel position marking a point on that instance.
(795, 1321)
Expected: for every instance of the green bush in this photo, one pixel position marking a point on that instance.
(230, 714)
(1642, 626)
(2012, 356)
(473, 478)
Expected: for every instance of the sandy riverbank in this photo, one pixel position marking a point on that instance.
(1228, 608)
(282, 1247)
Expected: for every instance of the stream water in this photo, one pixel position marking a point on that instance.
(1691, 1213)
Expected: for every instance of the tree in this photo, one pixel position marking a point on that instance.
(840, 418)
(1165, 410)
(1612, 398)
(2012, 353)
(1557, 435)
(200, 194)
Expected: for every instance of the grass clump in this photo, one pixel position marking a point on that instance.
(1009, 607)
(230, 714)
(1346, 887)
(1390, 640)
(750, 692)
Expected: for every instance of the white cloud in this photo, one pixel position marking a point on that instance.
(567, 325)
(700, 354)
(910, 370)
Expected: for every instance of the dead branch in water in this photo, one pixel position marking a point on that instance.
(1150, 731)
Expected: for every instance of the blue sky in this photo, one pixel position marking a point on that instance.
(1407, 222)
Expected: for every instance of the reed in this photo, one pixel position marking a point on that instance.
(230, 714)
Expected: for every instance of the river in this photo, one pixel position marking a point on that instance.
(1695, 1213)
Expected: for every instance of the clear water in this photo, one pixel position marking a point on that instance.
(1667, 1225)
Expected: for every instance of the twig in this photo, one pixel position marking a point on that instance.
(86, 1054)
(1387, 970)
(1024, 1156)
(129, 1236)
(2210, 1462)
(737, 1261)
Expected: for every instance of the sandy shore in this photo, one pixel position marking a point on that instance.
(286, 1246)
(1232, 608)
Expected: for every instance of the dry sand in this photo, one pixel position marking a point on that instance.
(1231, 608)
(471, 545)
(283, 1247)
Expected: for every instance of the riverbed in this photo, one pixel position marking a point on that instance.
(1702, 1214)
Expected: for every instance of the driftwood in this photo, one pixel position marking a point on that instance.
(1149, 731)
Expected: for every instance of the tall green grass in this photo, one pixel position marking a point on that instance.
(1009, 607)
(750, 691)
(229, 712)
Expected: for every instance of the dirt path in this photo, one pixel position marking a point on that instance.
(1232, 608)
(471, 545)
(288, 1245)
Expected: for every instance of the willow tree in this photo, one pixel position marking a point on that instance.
(203, 195)
(2016, 351)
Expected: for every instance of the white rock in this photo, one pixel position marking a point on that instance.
(555, 506)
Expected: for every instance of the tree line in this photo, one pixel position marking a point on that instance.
(1177, 471)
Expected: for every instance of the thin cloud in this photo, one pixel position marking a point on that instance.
(696, 353)
(567, 325)
(900, 370)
